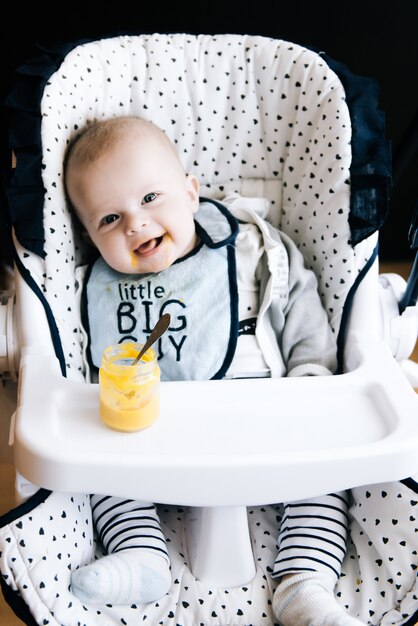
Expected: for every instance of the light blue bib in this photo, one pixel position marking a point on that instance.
(199, 291)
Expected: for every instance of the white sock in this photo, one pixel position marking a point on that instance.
(307, 599)
(123, 577)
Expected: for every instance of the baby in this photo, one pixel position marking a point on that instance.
(238, 292)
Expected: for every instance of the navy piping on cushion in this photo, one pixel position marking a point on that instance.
(411, 484)
(26, 507)
(56, 341)
(370, 168)
(85, 319)
(412, 620)
(347, 308)
(17, 604)
(13, 599)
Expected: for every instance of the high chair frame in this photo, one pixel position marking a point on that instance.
(365, 432)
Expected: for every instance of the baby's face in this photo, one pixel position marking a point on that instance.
(137, 205)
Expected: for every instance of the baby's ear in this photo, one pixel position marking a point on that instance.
(192, 185)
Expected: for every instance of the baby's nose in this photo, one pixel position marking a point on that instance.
(136, 223)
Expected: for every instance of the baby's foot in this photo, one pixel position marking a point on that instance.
(307, 599)
(124, 577)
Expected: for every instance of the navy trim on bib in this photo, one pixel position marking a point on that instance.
(233, 283)
(189, 254)
(233, 338)
(232, 221)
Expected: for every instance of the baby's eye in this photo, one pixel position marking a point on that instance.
(149, 198)
(108, 219)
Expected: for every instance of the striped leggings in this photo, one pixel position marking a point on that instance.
(125, 524)
(312, 535)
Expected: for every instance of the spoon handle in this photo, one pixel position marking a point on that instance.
(159, 328)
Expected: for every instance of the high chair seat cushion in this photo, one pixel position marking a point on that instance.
(41, 547)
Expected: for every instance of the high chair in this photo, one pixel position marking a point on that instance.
(262, 118)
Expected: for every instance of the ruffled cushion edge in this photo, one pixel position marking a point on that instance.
(24, 190)
(371, 166)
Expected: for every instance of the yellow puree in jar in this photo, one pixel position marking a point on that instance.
(129, 394)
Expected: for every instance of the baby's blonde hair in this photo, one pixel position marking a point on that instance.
(97, 138)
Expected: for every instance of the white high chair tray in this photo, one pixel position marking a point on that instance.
(223, 443)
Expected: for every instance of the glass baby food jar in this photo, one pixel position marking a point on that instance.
(129, 394)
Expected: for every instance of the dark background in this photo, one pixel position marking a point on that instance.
(371, 40)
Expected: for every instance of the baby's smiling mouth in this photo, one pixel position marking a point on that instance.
(148, 247)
